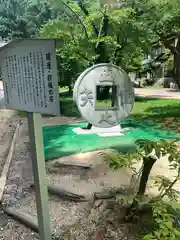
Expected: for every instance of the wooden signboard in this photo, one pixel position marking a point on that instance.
(29, 74)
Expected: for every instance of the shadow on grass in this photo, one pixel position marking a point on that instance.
(66, 94)
(68, 108)
(144, 108)
(153, 108)
(145, 99)
(160, 111)
(171, 110)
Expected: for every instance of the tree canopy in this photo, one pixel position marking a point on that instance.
(100, 35)
(92, 33)
(23, 19)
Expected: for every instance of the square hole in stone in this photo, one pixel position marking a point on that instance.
(106, 97)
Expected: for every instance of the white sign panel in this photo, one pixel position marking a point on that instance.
(29, 74)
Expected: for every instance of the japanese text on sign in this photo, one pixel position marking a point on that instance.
(30, 79)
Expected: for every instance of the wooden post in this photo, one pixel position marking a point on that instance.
(39, 173)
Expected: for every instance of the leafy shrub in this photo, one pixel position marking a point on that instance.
(165, 209)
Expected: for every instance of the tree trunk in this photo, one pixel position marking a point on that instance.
(147, 167)
(174, 47)
(177, 67)
(148, 163)
(69, 89)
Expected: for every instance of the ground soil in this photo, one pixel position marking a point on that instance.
(18, 192)
(99, 220)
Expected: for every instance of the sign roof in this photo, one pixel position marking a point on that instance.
(5, 45)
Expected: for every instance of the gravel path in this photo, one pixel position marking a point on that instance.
(85, 220)
(19, 179)
(64, 214)
(159, 93)
(9, 230)
(8, 122)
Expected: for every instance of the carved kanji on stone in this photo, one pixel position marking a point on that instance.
(125, 97)
(128, 98)
(106, 117)
(87, 96)
(107, 72)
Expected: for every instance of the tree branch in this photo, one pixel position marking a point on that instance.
(83, 56)
(77, 51)
(85, 11)
(169, 46)
(78, 18)
(100, 47)
(119, 48)
(167, 41)
(103, 24)
(171, 185)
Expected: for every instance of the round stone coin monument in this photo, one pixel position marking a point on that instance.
(108, 113)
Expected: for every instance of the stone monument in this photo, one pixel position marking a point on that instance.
(104, 119)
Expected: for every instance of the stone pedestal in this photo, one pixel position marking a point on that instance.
(102, 132)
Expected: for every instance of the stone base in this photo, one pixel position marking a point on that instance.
(102, 132)
(111, 134)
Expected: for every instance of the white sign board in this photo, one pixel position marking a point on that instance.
(29, 73)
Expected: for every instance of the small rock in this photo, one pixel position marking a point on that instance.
(99, 234)
(98, 203)
(102, 184)
(103, 206)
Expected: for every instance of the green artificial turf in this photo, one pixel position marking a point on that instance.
(61, 141)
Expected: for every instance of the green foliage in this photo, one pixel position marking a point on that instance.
(165, 209)
(146, 148)
(162, 21)
(163, 222)
(12, 21)
(70, 59)
(121, 35)
(125, 160)
(22, 19)
(93, 35)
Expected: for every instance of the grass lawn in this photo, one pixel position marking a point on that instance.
(155, 108)
(165, 111)
(63, 89)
